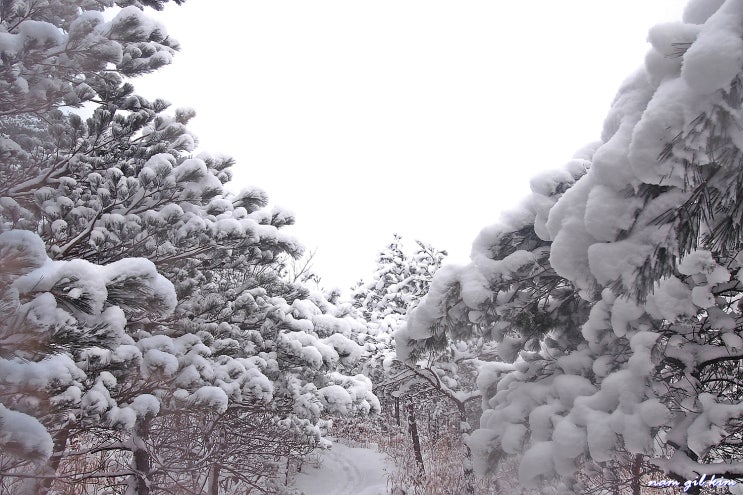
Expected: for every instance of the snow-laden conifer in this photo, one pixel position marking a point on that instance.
(614, 312)
(144, 304)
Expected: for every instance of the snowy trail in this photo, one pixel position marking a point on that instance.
(345, 471)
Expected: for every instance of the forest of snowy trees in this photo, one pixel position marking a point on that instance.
(160, 334)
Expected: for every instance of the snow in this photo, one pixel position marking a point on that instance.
(569, 439)
(702, 297)
(537, 461)
(212, 397)
(698, 261)
(344, 470)
(602, 230)
(474, 286)
(733, 341)
(623, 313)
(347, 349)
(131, 15)
(513, 438)
(44, 33)
(540, 421)
(601, 438)
(569, 252)
(159, 342)
(715, 58)
(568, 387)
(641, 363)
(671, 300)
(155, 360)
(145, 270)
(26, 246)
(698, 11)
(653, 413)
(336, 399)
(608, 212)
(665, 37)
(55, 370)
(96, 401)
(617, 260)
(23, 435)
(145, 405)
(84, 24)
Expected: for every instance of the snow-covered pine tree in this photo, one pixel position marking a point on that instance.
(54, 313)
(114, 197)
(649, 238)
(58, 53)
(437, 387)
(390, 271)
(501, 306)
(399, 281)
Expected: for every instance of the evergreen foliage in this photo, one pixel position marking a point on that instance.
(609, 303)
(150, 340)
(159, 336)
(399, 281)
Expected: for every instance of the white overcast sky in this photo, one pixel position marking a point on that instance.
(421, 117)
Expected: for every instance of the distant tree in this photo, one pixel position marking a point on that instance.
(441, 377)
(399, 281)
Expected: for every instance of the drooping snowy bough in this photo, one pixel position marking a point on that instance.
(612, 297)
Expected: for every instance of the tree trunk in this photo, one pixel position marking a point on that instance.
(467, 465)
(636, 473)
(142, 463)
(214, 480)
(413, 429)
(397, 410)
